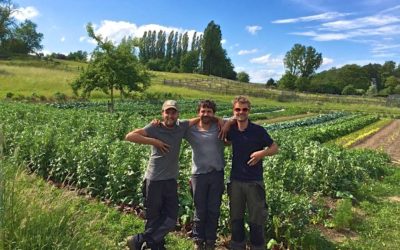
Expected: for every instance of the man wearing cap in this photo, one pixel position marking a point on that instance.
(160, 185)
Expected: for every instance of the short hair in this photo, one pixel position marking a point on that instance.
(241, 99)
(207, 104)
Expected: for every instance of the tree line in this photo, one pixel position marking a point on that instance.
(301, 63)
(172, 52)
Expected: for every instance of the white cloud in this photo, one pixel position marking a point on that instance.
(22, 14)
(326, 61)
(323, 16)
(246, 52)
(62, 39)
(261, 75)
(253, 29)
(82, 38)
(116, 30)
(267, 59)
(270, 67)
(369, 21)
(223, 41)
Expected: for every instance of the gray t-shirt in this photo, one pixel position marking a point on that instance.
(207, 149)
(165, 166)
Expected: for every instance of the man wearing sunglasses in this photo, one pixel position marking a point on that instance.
(250, 144)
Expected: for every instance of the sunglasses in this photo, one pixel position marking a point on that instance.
(239, 109)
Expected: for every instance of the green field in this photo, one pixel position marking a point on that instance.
(314, 189)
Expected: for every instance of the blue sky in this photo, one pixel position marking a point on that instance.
(256, 33)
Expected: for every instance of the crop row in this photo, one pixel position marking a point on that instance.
(85, 149)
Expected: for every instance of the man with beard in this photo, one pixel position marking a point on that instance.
(207, 181)
(250, 144)
(160, 185)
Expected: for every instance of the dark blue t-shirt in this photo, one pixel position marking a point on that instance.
(244, 143)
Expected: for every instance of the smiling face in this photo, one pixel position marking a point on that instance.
(206, 114)
(241, 111)
(170, 116)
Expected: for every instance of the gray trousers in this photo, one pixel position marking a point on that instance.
(207, 192)
(250, 195)
(161, 208)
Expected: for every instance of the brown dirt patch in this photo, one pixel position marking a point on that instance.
(394, 198)
(386, 139)
(337, 236)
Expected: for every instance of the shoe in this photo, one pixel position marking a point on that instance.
(135, 242)
(210, 245)
(199, 245)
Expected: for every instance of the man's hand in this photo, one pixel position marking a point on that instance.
(256, 157)
(162, 146)
(155, 123)
(223, 130)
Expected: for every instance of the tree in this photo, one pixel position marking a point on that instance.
(270, 83)
(112, 67)
(212, 52)
(243, 77)
(24, 39)
(189, 62)
(6, 20)
(78, 56)
(392, 81)
(302, 61)
(287, 81)
(302, 83)
(349, 90)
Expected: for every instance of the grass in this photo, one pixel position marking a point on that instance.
(380, 224)
(26, 76)
(36, 215)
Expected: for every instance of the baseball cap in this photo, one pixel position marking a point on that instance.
(170, 104)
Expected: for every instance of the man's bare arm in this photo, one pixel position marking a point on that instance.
(258, 155)
(140, 136)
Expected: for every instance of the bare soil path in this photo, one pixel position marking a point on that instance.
(386, 139)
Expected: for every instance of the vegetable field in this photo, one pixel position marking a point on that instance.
(82, 145)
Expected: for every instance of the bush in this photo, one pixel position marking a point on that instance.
(9, 95)
(343, 216)
(60, 97)
(349, 90)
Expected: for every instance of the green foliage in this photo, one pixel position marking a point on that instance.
(349, 90)
(287, 81)
(243, 77)
(190, 62)
(302, 61)
(302, 83)
(80, 56)
(343, 216)
(214, 58)
(112, 67)
(270, 83)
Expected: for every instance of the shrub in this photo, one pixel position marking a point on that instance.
(343, 216)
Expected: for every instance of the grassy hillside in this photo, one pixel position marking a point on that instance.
(30, 76)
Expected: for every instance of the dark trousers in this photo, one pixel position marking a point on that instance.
(161, 207)
(207, 193)
(250, 195)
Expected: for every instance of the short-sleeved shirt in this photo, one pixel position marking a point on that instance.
(207, 149)
(165, 166)
(244, 143)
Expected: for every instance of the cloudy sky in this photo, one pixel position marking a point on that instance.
(256, 33)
